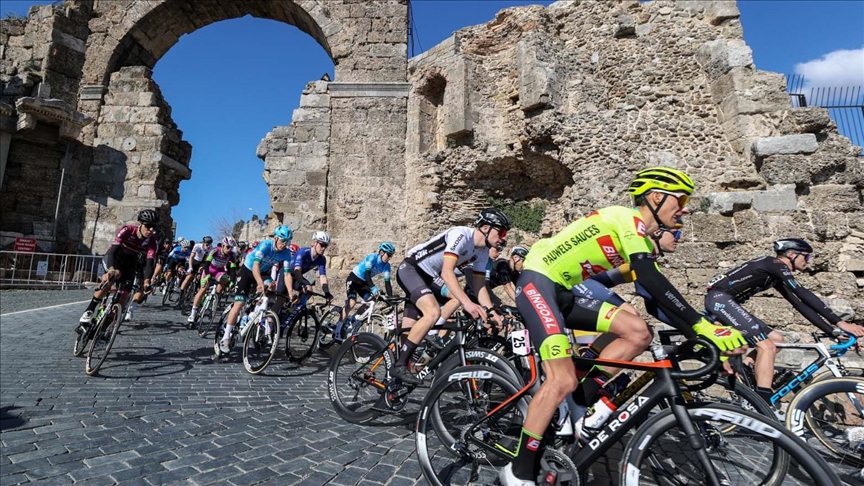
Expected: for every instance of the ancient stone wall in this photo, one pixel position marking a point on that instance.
(564, 104)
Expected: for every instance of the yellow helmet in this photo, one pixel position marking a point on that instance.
(664, 179)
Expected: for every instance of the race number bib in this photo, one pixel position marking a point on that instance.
(520, 343)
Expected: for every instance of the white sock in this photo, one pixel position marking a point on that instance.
(227, 336)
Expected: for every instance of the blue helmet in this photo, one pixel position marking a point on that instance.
(283, 233)
(387, 247)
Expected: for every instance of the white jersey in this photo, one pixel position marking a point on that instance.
(198, 252)
(457, 241)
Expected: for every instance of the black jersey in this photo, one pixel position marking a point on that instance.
(768, 272)
(501, 273)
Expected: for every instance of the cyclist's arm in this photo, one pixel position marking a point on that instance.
(149, 266)
(510, 289)
(806, 307)
(614, 277)
(111, 256)
(681, 315)
(256, 272)
(448, 274)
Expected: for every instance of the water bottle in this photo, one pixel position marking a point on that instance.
(244, 324)
(596, 417)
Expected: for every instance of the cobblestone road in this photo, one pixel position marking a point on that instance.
(162, 412)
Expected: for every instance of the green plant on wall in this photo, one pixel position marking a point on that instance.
(524, 215)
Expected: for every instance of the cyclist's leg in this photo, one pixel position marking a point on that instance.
(633, 333)
(245, 283)
(542, 316)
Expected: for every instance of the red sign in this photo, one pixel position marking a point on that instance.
(25, 244)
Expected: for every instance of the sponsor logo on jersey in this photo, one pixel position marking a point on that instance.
(547, 317)
(640, 226)
(568, 244)
(609, 251)
(611, 311)
(588, 269)
(722, 332)
(456, 243)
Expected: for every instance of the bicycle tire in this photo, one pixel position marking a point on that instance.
(105, 333)
(203, 330)
(330, 318)
(812, 407)
(353, 372)
(455, 403)
(301, 337)
(481, 356)
(643, 467)
(851, 372)
(169, 289)
(740, 396)
(82, 340)
(376, 324)
(257, 353)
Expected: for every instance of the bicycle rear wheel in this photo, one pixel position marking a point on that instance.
(356, 377)
(832, 411)
(260, 343)
(328, 321)
(302, 337)
(460, 399)
(659, 453)
(103, 339)
(82, 340)
(169, 292)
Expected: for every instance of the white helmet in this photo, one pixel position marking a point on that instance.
(321, 237)
(229, 242)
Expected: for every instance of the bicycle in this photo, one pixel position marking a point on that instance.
(110, 314)
(302, 328)
(831, 409)
(359, 381)
(171, 292)
(494, 407)
(255, 311)
(210, 305)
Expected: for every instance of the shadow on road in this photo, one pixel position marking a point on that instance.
(9, 421)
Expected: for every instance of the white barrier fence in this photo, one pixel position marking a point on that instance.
(49, 270)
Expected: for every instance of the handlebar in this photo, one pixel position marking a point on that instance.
(687, 349)
(843, 346)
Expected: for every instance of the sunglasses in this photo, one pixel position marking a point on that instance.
(502, 232)
(682, 199)
(806, 256)
(149, 225)
(323, 245)
(284, 242)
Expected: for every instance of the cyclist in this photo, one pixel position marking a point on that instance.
(503, 273)
(427, 275)
(196, 260)
(220, 264)
(360, 283)
(242, 249)
(177, 258)
(122, 259)
(726, 293)
(603, 240)
(257, 264)
(306, 259)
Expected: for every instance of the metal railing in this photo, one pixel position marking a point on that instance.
(845, 105)
(53, 270)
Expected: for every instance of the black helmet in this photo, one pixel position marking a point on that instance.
(148, 216)
(243, 245)
(493, 217)
(207, 240)
(796, 244)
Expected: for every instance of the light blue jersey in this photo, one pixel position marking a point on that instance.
(372, 262)
(268, 256)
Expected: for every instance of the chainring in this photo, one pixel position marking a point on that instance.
(554, 460)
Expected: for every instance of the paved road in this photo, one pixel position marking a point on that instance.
(162, 412)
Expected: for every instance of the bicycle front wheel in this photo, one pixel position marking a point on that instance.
(260, 343)
(103, 339)
(832, 411)
(329, 320)
(446, 430)
(356, 377)
(660, 453)
(302, 337)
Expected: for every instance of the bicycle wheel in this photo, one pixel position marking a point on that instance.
(376, 324)
(301, 337)
(457, 402)
(213, 322)
(660, 453)
(478, 356)
(356, 376)
(739, 395)
(169, 290)
(328, 321)
(81, 340)
(852, 371)
(832, 412)
(103, 339)
(260, 343)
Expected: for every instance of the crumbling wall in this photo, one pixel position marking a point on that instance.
(564, 104)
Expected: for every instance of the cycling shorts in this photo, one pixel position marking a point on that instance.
(549, 310)
(282, 289)
(355, 286)
(245, 285)
(730, 313)
(127, 266)
(173, 263)
(416, 283)
(219, 275)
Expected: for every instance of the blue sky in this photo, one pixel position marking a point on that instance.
(232, 82)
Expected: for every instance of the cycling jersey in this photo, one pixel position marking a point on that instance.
(500, 273)
(304, 260)
(266, 254)
(220, 260)
(198, 252)
(177, 253)
(372, 263)
(767, 272)
(131, 244)
(457, 242)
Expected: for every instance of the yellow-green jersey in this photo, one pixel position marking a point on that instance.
(601, 241)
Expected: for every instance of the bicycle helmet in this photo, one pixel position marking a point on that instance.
(207, 240)
(242, 245)
(664, 179)
(181, 241)
(185, 245)
(796, 244)
(255, 243)
(283, 233)
(229, 242)
(148, 216)
(387, 247)
(295, 248)
(519, 250)
(321, 237)
(494, 218)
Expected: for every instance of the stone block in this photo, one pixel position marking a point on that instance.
(729, 202)
(778, 198)
(785, 145)
(786, 169)
(315, 101)
(718, 57)
(811, 119)
(833, 197)
(536, 77)
(749, 226)
(287, 177)
(712, 227)
(316, 178)
(626, 26)
(310, 162)
(829, 225)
